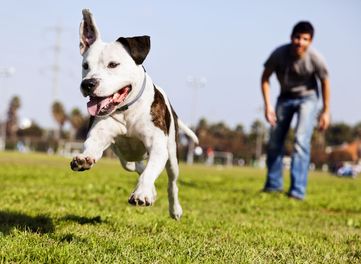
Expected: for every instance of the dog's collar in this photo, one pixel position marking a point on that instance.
(126, 106)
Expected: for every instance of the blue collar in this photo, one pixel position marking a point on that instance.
(126, 106)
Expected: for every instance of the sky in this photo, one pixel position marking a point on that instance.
(220, 44)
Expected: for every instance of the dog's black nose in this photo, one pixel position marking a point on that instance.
(89, 85)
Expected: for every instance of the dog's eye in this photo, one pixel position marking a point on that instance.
(112, 65)
(85, 66)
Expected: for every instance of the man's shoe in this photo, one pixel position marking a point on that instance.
(294, 197)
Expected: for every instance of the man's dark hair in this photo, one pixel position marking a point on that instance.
(303, 27)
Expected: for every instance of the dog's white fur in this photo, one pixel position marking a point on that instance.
(132, 134)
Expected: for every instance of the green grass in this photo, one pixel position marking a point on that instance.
(49, 214)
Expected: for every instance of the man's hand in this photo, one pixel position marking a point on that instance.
(324, 121)
(269, 112)
(270, 116)
(324, 118)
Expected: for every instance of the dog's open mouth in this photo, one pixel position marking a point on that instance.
(102, 106)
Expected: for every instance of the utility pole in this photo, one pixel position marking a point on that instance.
(195, 83)
(4, 73)
(55, 67)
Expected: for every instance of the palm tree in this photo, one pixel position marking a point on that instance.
(77, 121)
(356, 131)
(59, 116)
(12, 119)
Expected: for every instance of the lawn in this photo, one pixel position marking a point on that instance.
(49, 214)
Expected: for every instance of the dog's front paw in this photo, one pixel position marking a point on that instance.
(143, 196)
(81, 163)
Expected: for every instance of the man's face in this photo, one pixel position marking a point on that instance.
(300, 43)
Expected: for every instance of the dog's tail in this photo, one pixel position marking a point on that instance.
(188, 131)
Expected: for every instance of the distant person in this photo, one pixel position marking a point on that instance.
(298, 68)
(210, 156)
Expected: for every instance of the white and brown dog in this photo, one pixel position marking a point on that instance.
(130, 114)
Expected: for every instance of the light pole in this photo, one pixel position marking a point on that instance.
(260, 139)
(195, 83)
(4, 73)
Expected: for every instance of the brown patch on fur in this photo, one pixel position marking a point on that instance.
(160, 113)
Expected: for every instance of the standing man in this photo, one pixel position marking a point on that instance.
(298, 68)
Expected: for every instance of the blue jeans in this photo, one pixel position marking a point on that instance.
(306, 109)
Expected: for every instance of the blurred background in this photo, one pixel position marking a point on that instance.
(206, 55)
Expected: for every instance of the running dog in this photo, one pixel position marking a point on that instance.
(130, 114)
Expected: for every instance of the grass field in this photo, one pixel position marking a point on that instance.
(49, 214)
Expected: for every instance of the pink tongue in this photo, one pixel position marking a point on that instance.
(97, 103)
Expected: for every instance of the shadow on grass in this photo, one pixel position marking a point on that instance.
(68, 238)
(82, 219)
(40, 224)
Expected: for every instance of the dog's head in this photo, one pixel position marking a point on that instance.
(110, 74)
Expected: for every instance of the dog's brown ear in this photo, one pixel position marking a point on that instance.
(88, 31)
(138, 47)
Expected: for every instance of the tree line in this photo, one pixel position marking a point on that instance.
(39, 138)
(246, 145)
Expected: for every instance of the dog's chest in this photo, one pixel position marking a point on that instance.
(129, 148)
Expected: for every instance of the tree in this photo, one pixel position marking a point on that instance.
(59, 116)
(77, 121)
(338, 134)
(239, 129)
(12, 119)
(33, 131)
(202, 124)
(356, 131)
(219, 129)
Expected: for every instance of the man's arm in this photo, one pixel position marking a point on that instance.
(324, 120)
(269, 112)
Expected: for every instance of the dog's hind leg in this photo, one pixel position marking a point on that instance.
(133, 166)
(139, 167)
(175, 209)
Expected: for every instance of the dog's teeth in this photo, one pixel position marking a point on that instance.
(115, 96)
(105, 108)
